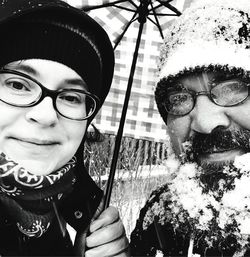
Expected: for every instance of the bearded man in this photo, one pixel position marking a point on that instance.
(203, 97)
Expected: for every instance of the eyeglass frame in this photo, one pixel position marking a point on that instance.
(207, 93)
(51, 93)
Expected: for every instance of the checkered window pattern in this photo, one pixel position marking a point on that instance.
(142, 120)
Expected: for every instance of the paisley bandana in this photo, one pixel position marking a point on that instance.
(31, 199)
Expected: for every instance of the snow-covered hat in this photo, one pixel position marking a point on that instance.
(209, 33)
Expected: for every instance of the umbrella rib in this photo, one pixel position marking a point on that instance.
(156, 7)
(124, 8)
(157, 21)
(152, 11)
(133, 3)
(169, 6)
(94, 7)
(152, 21)
(167, 2)
(164, 14)
(117, 41)
(162, 4)
(158, 26)
(160, 14)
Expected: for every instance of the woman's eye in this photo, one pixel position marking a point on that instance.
(17, 85)
(71, 98)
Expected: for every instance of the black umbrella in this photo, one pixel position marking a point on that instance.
(141, 12)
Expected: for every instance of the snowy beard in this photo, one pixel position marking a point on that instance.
(221, 140)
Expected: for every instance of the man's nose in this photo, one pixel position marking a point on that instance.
(206, 116)
(43, 113)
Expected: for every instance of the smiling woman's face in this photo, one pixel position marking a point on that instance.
(38, 138)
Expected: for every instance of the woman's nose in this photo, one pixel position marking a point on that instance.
(206, 116)
(43, 113)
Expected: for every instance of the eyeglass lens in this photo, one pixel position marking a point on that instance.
(226, 93)
(23, 92)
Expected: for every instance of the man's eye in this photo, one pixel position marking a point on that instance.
(229, 93)
(229, 88)
(178, 98)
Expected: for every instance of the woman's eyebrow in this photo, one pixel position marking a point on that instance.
(76, 82)
(31, 71)
(26, 68)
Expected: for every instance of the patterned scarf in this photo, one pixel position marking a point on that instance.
(30, 199)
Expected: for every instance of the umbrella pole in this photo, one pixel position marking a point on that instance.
(122, 121)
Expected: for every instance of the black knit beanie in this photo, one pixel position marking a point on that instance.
(54, 30)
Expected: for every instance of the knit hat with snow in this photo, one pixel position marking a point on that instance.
(209, 36)
(54, 30)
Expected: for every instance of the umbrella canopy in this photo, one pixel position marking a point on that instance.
(136, 28)
(121, 19)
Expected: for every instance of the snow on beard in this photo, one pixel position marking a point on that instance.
(213, 175)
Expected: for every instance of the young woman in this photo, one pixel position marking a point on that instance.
(56, 70)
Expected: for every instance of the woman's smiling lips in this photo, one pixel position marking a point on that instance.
(35, 141)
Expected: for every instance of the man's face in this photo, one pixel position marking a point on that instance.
(218, 134)
(38, 137)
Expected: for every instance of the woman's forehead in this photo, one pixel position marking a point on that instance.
(48, 71)
(40, 66)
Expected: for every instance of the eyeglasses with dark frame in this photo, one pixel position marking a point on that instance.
(225, 93)
(21, 90)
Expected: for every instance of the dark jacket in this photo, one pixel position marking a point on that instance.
(15, 15)
(77, 209)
